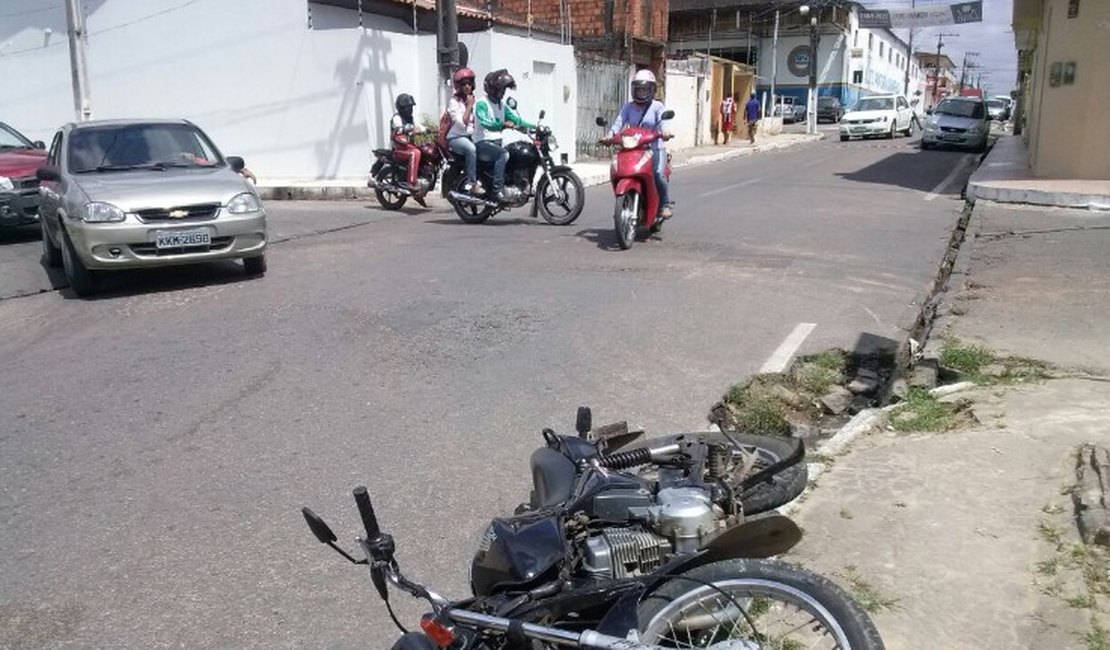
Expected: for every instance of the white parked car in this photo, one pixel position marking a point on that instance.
(877, 115)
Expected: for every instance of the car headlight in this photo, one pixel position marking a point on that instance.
(975, 129)
(6, 184)
(243, 204)
(97, 212)
(884, 119)
(931, 127)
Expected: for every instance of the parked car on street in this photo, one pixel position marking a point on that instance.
(996, 110)
(790, 110)
(957, 122)
(829, 108)
(141, 193)
(877, 115)
(1009, 102)
(19, 188)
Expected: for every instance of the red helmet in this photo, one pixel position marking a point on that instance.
(461, 75)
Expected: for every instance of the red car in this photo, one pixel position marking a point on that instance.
(19, 188)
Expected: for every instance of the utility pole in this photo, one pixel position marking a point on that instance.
(774, 60)
(814, 40)
(78, 38)
(967, 65)
(447, 39)
(909, 57)
(936, 78)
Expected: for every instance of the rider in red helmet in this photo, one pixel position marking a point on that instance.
(460, 137)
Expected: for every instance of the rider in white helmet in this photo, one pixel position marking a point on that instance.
(645, 111)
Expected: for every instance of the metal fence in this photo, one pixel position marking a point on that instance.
(602, 90)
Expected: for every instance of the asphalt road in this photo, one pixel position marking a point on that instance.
(157, 443)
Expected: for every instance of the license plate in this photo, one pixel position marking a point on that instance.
(182, 238)
(953, 138)
(860, 129)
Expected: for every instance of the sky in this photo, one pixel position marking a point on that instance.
(993, 39)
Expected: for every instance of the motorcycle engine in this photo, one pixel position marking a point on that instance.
(679, 520)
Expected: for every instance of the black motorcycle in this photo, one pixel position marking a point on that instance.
(629, 545)
(558, 195)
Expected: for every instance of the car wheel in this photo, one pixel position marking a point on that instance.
(81, 280)
(890, 136)
(926, 145)
(255, 265)
(51, 254)
(843, 138)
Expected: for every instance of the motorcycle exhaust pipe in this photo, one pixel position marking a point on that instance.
(470, 200)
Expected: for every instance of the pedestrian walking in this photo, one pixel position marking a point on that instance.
(728, 116)
(752, 112)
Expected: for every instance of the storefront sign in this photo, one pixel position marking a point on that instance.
(798, 61)
(954, 14)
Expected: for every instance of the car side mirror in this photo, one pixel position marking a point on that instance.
(668, 115)
(600, 121)
(48, 173)
(38, 144)
(928, 111)
(236, 164)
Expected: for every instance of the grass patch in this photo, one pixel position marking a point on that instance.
(1097, 638)
(922, 412)
(1051, 534)
(817, 374)
(867, 595)
(984, 367)
(1081, 601)
(1048, 567)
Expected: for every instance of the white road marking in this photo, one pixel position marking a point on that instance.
(873, 315)
(719, 190)
(949, 178)
(780, 359)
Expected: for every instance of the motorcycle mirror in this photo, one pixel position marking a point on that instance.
(320, 529)
(542, 113)
(511, 103)
(668, 115)
(600, 121)
(584, 421)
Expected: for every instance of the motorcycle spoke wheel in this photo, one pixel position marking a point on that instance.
(755, 605)
(562, 200)
(469, 212)
(389, 200)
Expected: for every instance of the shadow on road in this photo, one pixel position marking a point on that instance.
(121, 284)
(19, 234)
(918, 170)
(605, 238)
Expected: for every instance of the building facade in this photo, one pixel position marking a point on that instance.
(851, 61)
(1064, 86)
(301, 90)
(940, 78)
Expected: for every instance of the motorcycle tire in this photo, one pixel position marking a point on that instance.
(473, 214)
(758, 594)
(625, 221)
(562, 179)
(388, 176)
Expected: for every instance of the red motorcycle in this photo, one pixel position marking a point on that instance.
(633, 177)
(390, 170)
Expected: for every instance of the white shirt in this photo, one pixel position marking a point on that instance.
(457, 109)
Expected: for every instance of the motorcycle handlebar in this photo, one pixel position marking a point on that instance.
(366, 511)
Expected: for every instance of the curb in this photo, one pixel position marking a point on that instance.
(590, 179)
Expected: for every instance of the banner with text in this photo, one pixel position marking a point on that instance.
(954, 14)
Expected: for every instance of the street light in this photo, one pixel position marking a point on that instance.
(811, 99)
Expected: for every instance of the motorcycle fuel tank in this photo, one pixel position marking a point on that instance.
(514, 552)
(522, 155)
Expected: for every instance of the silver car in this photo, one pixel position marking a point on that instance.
(140, 193)
(957, 122)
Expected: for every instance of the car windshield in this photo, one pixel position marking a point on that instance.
(121, 147)
(826, 101)
(960, 109)
(995, 104)
(874, 104)
(12, 139)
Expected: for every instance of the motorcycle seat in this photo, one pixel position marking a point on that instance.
(552, 476)
(383, 153)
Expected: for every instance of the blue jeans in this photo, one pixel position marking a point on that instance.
(464, 147)
(659, 160)
(492, 151)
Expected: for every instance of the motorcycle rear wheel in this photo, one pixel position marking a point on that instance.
(469, 213)
(625, 219)
(388, 177)
(754, 604)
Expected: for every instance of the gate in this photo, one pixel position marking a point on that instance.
(602, 90)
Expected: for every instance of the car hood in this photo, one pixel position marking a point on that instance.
(955, 121)
(868, 115)
(135, 190)
(21, 163)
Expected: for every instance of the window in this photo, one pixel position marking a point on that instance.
(647, 7)
(55, 149)
(855, 39)
(882, 47)
(870, 42)
(857, 76)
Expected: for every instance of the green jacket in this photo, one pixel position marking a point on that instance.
(489, 119)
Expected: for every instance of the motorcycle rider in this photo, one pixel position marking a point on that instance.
(647, 112)
(492, 117)
(402, 127)
(459, 139)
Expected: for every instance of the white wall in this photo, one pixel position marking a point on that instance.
(682, 97)
(295, 102)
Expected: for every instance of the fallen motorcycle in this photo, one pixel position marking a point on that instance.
(606, 557)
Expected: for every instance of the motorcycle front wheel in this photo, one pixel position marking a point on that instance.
(387, 178)
(751, 605)
(561, 201)
(625, 219)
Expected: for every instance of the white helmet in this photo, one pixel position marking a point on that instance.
(643, 87)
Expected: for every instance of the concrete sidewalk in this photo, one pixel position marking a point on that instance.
(967, 538)
(592, 172)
